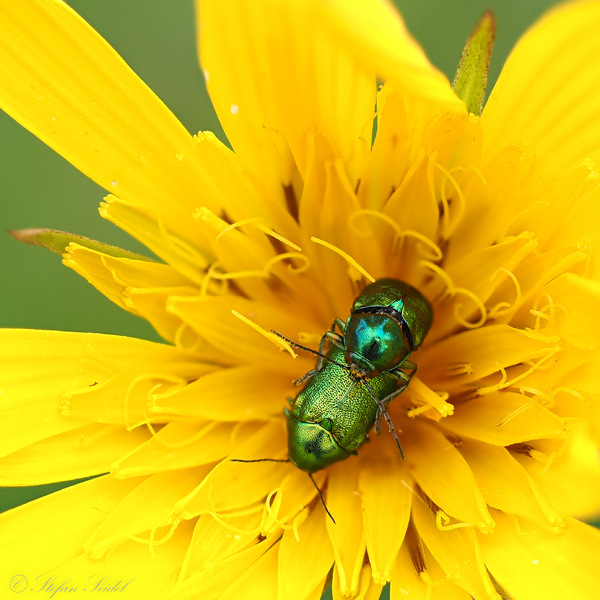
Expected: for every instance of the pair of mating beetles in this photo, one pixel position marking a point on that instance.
(360, 373)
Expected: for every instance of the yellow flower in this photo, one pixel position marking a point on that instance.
(496, 219)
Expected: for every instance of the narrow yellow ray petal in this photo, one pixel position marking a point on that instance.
(212, 318)
(576, 300)
(407, 582)
(551, 77)
(534, 563)
(251, 392)
(259, 582)
(348, 539)
(573, 490)
(294, 495)
(281, 75)
(457, 552)
(233, 485)
(70, 455)
(505, 418)
(505, 485)
(386, 502)
(179, 445)
(212, 542)
(234, 57)
(158, 494)
(475, 354)
(445, 476)
(376, 35)
(304, 561)
(212, 582)
(71, 89)
(119, 278)
(43, 368)
(29, 532)
(177, 246)
(133, 568)
(367, 588)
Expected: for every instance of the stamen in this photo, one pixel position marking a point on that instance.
(503, 308)
(242, 513)
(345, 256)
(447, 227)
(209, 278)
(437, 252)
(373, 213)
(280, 257)
(183, 333)
(504, 383)
(480, 305)
(179, 245)
(277, 340)
(444, 522)
(259, 223)
(432, 399)
(151, 541)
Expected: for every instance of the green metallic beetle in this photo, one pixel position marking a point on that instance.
(361, 372)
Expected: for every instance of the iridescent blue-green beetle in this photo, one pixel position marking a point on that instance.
(361, 372)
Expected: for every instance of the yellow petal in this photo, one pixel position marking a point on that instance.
(120, 279)
(367, 588)
(505, 484)
(576, 300)
(43, 369)
(211, 582)
(407, 582)
(304, 561)
(533, 563)
(348, 540)
(386, 502)
(66, 85)
(251, 392)
(158, 495)
(505, 418)
(571, 477)
(179, 445)
(445, 476)
(279, 75)
(259, 582)
(212, 542)
(548, 92)
(235, 340)
(133, 568)
(30, 532)
(457, 552)
(70, 455)
(376, 35)
(233, 485)
(475, 354)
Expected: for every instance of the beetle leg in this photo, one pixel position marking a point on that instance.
(381, 410)
(341, 325)
(406, 377)
(307, 375)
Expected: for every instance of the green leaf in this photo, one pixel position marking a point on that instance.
(471, 77)
(57, 241)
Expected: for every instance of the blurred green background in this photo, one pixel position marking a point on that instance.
(40, 189)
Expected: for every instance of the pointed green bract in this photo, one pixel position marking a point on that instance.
(471, 77)
(57, 241)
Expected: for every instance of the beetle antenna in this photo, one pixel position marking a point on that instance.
(322, 499)
(384, 412)
(280, 460)
(316, 352)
